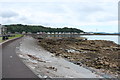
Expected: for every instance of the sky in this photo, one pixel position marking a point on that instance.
(87, 15)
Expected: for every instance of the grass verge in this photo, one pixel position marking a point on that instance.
(16, 35)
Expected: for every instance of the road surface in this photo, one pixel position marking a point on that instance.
(12, 66)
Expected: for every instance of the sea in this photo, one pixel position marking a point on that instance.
(114, 38)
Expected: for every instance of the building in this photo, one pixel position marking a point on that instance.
(3, 32)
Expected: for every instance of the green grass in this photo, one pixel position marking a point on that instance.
(16, 35)
(0, 39)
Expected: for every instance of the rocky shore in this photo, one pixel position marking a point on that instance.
(99, 55)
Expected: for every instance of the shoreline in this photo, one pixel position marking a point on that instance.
(46, 64)
(114, 38)
(55, 42)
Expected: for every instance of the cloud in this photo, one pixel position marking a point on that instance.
(58, 1)
(8, 14)
(82, 15)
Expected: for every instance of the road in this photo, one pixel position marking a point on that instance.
(12, 66)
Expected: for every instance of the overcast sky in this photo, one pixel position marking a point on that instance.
(88, 15)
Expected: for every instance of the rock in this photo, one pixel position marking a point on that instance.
(79, 63)
(57, 54)
(52, 68)
(98, 54)
(65, 56)
(35, 58)
(106, 63)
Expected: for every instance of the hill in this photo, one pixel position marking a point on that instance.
(38, 28)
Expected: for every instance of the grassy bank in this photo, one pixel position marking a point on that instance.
(16, 35)
(0, 39)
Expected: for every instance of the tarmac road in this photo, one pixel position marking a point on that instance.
(12, 66)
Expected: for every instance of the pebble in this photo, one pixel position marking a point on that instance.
(11, 56)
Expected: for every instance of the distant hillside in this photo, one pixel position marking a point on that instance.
(34, 28)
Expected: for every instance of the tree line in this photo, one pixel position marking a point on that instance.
(38, 28)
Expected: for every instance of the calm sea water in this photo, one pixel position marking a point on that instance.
(114, 38)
